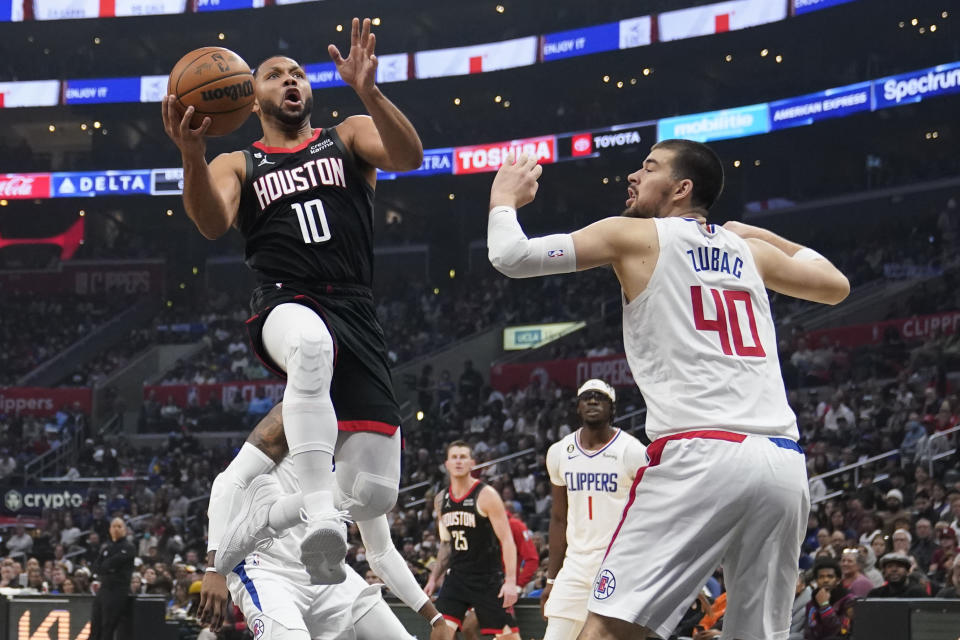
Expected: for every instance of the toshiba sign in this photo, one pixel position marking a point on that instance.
(488, 157)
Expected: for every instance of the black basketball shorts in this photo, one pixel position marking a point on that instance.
(362, 387)
(460, 592)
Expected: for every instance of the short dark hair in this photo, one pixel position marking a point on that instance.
(256, 69)
(459, 443)
(826, 563)
(698, 163)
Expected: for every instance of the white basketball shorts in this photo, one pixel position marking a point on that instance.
(705, 499)
(573, 586)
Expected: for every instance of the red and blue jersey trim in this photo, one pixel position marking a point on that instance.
(591, 454)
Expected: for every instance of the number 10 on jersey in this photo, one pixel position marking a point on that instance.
(313, 221)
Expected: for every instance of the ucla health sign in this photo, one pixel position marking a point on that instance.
(916, 85)
(100, 183)
(832, 103)
(717, 125)
(102, 90)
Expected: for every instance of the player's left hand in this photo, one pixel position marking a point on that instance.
(442, 631)
(510, 592)
(213, 601)
(359, 68)
(516, 182)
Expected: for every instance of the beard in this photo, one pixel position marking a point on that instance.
(286, 118)
(639, 210)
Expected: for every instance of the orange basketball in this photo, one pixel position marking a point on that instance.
(217, 83)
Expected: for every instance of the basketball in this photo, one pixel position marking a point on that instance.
(217, 83)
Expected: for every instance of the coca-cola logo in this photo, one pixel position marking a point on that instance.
(24, 186)
(16, 186)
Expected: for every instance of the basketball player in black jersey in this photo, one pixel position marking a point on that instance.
(477, 546)
(303, 200)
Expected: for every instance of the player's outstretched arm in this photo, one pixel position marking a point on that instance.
(792, 269)
(443, 550)
(489, 502)
(211, 192)
(386, 139)
(558, 540)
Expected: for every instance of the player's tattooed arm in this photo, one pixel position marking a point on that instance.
(268, 435)
(443, 551)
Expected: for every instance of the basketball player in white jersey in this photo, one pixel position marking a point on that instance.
(725, 482)
(591, 471)
(232, 502)
(272, 588)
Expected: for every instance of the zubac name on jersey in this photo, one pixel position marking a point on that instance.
(583, 481)
(309, 175)
(715, 259)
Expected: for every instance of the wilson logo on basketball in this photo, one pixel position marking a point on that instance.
(233, 91)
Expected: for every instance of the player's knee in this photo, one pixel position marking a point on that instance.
(310, 363)
(370, 496)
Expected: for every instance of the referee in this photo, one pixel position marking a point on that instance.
(114, 567)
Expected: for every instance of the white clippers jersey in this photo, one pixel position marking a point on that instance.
(700, 339)
(597, 485)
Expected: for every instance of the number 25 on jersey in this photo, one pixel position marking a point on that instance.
(459, 540)
(313, 221)
(729, 305)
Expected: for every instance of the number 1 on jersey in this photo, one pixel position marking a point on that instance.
(727, 322)
(589, 507)
(310, 214)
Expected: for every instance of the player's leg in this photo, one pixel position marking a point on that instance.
(492, 618)
(453, 600)
(386, 562)
(296, 338)
(760, 568)
(559, 628)
(470, 626)
(598, 627)
(272, 629)
(380, 623)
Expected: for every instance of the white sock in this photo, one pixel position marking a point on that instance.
(285, 512)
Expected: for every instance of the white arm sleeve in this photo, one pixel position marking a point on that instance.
(227, 489)
(516, 256)
(387, 562)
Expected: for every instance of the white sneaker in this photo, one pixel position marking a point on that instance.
(324, 548)
(249, 531)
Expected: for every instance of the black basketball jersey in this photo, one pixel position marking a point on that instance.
(475, 547)
(306, 213)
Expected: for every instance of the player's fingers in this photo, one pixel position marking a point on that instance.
(365, 33)
(355, 32)
(185, 121)
(165, 109)
(207, 121)
(537, 171)
(335, 54)
(371, 44)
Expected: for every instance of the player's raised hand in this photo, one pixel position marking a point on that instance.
(516, 182)
(213, 600)
(359, 68)
(178, 128)
(509, 592)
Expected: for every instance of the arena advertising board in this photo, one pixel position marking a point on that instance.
(72, 184)
(30, 93)
(87, 278)
(567, 373)
(481, 158)
(717, 125)
(580, 42)
(225, 392)
(813, 107)
(909, 329)
(534, 335)
(435, 161)
(808, 6)
(912, 87)
(227, 5)
(32, 501)
(21, 186)
(480, 58)
(101, 91)
(36, 618)
(719, 18)
(43, 402)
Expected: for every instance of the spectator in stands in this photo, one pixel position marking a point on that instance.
(59, 557)
(901, 541)
(923, 546)
(70, 533)
(893, 511)
(35, 580)
(895, 568)
(955, 512)
(20, 543)
(470, 383)
(8, 574)
(7, 464)
(922, 508)
(952, 590)
(259, 407)
(914, 433)
(853, 579)
(944, 556)
(798, 620)
(829, 611)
